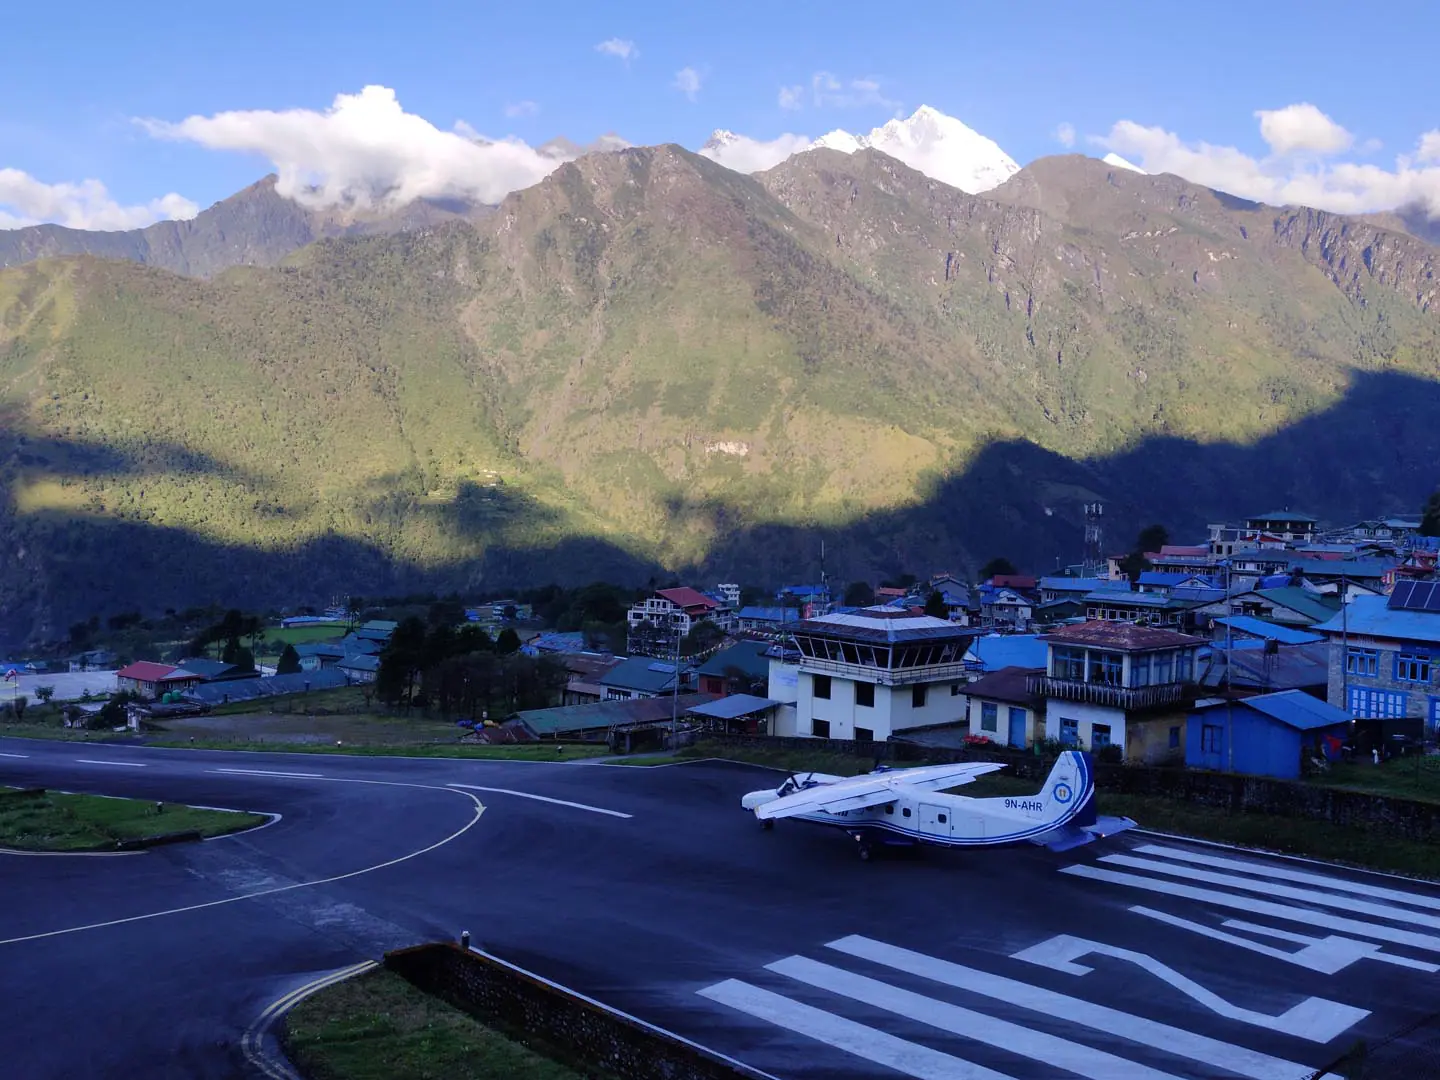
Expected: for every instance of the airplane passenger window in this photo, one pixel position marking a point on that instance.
(906, 811)
(940, 818)
(890, 809)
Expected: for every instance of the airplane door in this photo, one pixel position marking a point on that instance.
(935, 820)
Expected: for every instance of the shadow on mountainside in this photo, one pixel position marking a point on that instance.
(1373, 452)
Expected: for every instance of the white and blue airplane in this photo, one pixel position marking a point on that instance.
(906, 807)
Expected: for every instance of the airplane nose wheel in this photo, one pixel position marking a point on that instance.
(863, 848)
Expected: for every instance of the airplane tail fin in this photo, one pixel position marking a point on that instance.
(1071, 784)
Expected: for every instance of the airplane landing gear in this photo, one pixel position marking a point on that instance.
(767, 824)
(863, 847)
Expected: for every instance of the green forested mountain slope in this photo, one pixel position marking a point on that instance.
(686, 364)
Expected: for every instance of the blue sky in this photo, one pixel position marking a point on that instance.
(75, 79)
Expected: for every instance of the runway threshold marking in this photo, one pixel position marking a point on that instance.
(117, 764)
(543, 798)
(269, 772)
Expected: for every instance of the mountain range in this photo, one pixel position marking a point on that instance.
(649, 363)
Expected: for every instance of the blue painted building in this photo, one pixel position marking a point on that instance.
(1271, 734)
(992, 652)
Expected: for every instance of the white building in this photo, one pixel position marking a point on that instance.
(668, 615)
(869, 673)
(730, 593)
(1117, 684)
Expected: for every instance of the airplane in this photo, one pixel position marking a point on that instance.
(904, 807)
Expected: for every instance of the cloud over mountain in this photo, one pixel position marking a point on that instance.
(1302, 168)
(366, 150)
(24, 200)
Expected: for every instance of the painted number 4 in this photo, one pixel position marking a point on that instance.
(1315, 1019)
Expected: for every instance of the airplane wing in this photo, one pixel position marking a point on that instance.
(872, 789)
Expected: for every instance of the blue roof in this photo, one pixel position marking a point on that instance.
(1199, 595)
(748, 656)
(770, 614)
(1167, 577)
(803, 590)
(1135, 599)
(996, 651)
(1370, 616)
(641, 673)
(1077, 584)
(1293, 708)
(1286, 635)
(569, 641)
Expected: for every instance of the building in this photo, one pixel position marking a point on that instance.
(320, 655)
(1117, 684)
(742, 668)
(376, 630)
(1268, 735)
(360, 667)
(736, 714)
(1146, 608)
(597, 721)
(215, 670)
(1002, 708)
(1292, 605)
(869, 673)
(150, 679)
(765, 619)
(1385, 656)
(1239, 628)
(1290, 527)
(1251, 666)
(585, 671)
(1007, 607)
(659, 621)
(642, 677)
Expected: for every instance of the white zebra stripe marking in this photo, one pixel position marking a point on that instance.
(861, 1040)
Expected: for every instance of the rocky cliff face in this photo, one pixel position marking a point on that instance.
(1360, 257)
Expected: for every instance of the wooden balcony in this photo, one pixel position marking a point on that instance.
(1114, 697)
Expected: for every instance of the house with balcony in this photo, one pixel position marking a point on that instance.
(1005, 607)
(1111, 683)
(875, 671)
(658, 621)
(1147, 608)
(1385, 659)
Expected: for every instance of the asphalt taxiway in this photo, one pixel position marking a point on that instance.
(649, 890)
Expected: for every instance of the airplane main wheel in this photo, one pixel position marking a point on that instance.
(864, 850)
(767, 824)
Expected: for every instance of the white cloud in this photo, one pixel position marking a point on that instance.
(1302, 128)
(747, 155)
(1065, 134)
(1345, 187)
(1429, 147)
(792, 97)
(687, 81)
(829, 91)
(366, 150)
(618, 47)
(521, 108)
(25, 200)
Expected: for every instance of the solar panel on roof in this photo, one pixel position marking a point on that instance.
(665, 669)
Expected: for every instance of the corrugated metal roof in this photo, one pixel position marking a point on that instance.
(1008, 684)
(146, 671)
(1297, 599)
(1294, 708)
(748, 656)
(270, 686)
(1134, 599)
(1120, 635)
(1287, 635)
(1370, 616)
(728, 708)
(996, 651)
(603, 715)
(882, 624)
(640, 673)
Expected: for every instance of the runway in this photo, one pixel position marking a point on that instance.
(648, 889)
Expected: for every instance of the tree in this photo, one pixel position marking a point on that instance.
(935, 605)
(401, 661)
(44, 693)
(1152, 538)
(289, 663)
(508, 612)
(859, 594)
(1133, 565)
(508, 642)
(997, 567)
(1430, 516)
(702, 638)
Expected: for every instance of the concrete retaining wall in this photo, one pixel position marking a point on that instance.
(1405, 818)
(530, 1008)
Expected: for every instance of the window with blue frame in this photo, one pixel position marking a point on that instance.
(1106, 667)
(1370, 704)
(1161, 664)
(1068, 663)
(989, 716)
(1412, 667)
(1099, 735)
(1362, 661)
(1069, 731)
(1210, 738)
(1184, 665)
(1140, 670)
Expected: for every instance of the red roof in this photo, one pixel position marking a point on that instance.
(687, 598)
(145, 671)
(1184, 550)
(1013, 581)
(1120, 635)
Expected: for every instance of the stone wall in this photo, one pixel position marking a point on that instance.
(1406, 818)
(532, 1009)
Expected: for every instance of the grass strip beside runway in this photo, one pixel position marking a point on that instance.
(57, 822)
(378, 1027)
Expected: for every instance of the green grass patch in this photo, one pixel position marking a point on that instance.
(527, 752)
(377, 1026)
(1403, 778)
(57, 822)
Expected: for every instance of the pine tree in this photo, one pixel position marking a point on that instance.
(289, 663)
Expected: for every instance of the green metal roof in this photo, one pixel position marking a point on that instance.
(1297, 599)
(748, 656)
(603, 715)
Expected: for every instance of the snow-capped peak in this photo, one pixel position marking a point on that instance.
(837, 140)
(1116, 161)
(719, 139)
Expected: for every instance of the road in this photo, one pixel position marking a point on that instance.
(1142, 958)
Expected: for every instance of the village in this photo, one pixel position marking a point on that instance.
(1272, 648)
